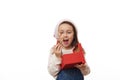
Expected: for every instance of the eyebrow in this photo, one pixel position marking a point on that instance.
(66, 30)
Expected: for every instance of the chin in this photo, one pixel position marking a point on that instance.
(66, 46)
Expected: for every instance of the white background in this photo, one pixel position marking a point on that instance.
(26, 36)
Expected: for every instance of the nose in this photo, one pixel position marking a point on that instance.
(65, 34)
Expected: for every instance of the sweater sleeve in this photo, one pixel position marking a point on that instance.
(53, 64)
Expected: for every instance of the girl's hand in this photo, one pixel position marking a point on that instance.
(57, 49)
(83, 66)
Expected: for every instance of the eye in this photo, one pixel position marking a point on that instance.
(69, 32)
(61, 32)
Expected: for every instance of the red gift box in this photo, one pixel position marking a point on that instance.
(69, 60)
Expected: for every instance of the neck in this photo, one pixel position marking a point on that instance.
(67, 48)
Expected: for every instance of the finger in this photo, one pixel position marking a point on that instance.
(53, 47)
(61, 40)
(58, 40)
(77, 66)
(59, 48)
(56, 46)
(80, 65)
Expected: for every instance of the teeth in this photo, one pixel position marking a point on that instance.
(65, 40)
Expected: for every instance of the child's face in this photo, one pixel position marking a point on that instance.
(66, 34)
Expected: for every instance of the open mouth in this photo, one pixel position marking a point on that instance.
(65, 41)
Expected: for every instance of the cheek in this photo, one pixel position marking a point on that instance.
(60, 36)
(71, 38)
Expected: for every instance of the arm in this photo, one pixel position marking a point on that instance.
(54, 63)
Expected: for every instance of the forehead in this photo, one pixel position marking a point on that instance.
(65, 26)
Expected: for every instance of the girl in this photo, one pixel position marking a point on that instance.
(66, 35)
